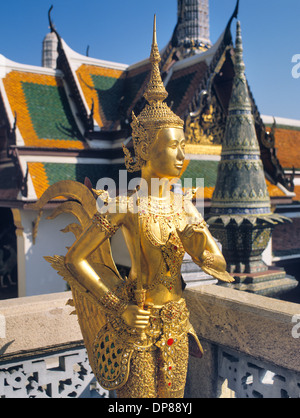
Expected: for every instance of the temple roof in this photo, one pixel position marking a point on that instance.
(46, 173)
(287, 141)
(286, 134)
(43, 112)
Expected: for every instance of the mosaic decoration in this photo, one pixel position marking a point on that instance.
(44, 116)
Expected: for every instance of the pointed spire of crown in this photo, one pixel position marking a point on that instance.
(155, 115)
(155, 91)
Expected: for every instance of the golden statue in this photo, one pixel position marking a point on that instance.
(136, 329)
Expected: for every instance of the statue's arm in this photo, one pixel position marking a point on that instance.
(201, 246)
(102, 288)
(76, 259)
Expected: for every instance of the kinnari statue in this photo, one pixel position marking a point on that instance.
(136, 329)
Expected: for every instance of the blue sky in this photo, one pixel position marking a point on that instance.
(120, 30)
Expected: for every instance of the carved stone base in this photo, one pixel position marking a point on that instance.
(243, 245)
(273, 282)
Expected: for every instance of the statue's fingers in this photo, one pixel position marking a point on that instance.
(143, 317)
(189, 231)
(143, 312)
(141, 322)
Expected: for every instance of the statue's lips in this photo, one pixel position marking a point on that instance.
(179, 166)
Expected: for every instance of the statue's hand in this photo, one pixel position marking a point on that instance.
(136, 317)
(193, 239)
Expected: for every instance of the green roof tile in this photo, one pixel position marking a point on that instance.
(177, 88)
(110, 91)
(206, 170)
(132, 86)
(64, 171)
(50, 112)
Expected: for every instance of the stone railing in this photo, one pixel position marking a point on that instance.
(251, 346)
(41, 350)
(251, 343)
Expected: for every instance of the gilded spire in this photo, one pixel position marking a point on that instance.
(155, 115)
(155, 91)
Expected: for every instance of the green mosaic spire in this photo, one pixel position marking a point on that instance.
(240, 216)
(241, 187)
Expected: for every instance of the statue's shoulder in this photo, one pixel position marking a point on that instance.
(106, 203)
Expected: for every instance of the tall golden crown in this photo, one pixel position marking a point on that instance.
(155, 115)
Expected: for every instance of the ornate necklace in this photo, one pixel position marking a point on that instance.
(160, 212)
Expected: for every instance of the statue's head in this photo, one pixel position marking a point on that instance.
(156, 126)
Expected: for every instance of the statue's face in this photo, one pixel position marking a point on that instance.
(167, 153)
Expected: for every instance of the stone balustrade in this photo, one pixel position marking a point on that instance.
(251, 342)
(251, 346)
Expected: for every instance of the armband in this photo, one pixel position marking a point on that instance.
(104, 224)
(206, 262)
(209, 260)
(111, 302)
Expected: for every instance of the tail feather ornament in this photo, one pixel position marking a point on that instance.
(83, 207)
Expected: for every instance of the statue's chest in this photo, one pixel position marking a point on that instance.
(158, 229)
(161, 238)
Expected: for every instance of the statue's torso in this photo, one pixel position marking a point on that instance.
(161, 251)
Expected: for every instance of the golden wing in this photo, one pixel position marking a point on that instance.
(90, 315)
(83, 207)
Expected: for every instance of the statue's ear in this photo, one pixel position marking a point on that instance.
(144, 150)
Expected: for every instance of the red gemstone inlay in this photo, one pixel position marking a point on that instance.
(170, 341)
(169, 383)
(170, 368)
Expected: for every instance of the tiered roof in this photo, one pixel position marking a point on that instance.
(287, 144)
(44, 116)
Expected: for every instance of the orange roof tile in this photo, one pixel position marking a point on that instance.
(34, 111)
(288, 147)
(297, 191)
(85, 74)
(274, 191)
(39, 178)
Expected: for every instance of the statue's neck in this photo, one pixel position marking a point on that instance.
(155, 186)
